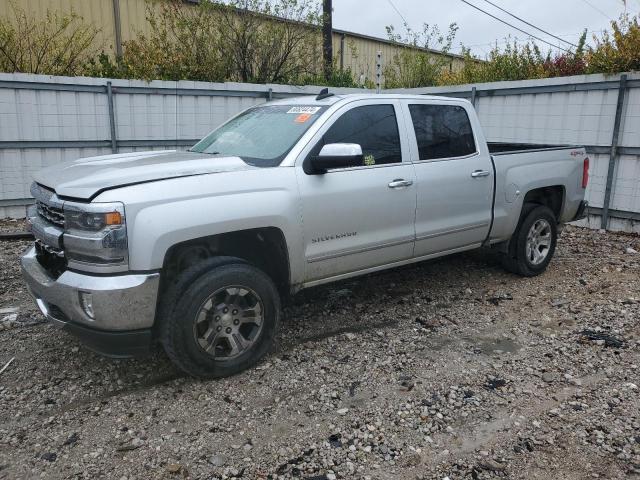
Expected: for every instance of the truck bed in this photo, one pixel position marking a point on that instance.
(522, 168)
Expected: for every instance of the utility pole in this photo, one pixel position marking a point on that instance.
(117, 26)
(327, 40)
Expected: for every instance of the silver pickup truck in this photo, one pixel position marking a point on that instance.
(195, 249)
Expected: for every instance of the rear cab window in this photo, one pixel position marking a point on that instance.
(442, 131)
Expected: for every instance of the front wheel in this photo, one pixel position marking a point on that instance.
(533, 243)
(220, 319)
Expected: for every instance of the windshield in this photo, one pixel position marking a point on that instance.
(261, 136)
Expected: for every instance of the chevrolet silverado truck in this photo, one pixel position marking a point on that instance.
(194, 249)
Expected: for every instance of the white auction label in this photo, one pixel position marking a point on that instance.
(309, 110)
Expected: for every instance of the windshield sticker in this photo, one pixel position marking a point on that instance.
(303, 117)
(307, 110)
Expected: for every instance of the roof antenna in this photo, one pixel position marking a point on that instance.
(324, 93)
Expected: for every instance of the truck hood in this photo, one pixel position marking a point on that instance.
(87, 177)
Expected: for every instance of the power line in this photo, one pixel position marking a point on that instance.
(490, 44)
(597, 9)
(513, 26)
(398, 12)
(518, 39)
(579, 33)
(530, 24)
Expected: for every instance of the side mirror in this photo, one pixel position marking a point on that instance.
(337, 155)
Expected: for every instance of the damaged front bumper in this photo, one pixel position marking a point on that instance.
(112, 315)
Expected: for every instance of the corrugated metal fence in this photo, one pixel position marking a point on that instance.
(601, 113)
(45, 120)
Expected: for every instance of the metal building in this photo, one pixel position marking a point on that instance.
(122, 20)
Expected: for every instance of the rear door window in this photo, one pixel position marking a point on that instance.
(442, 131)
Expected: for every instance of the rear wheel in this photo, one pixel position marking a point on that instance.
(220, 319)
(533, 243)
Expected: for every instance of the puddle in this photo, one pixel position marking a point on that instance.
(489, 345)
(484, 345)
(438, 343)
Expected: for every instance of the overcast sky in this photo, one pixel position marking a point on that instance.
(563, 18)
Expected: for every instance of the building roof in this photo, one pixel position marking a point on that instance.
(386, 41)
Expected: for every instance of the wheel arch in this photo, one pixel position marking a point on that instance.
(265, 248)
(552, 197)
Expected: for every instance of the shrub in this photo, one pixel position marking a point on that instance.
(614, 52)
(56, 45)
(517, 62)
(418, 67)
(215, 41)
(184, 43)
(618, 51)
(239, 40)
(338, 78)
(263, 50)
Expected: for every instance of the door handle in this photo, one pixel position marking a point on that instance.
(480, 173)
(400, 182)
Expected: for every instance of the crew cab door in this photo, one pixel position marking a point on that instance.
(359, 217)
(454, 176)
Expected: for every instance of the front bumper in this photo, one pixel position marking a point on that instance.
(123, 306)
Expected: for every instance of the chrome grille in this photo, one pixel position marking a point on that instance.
(50, 213)
(46, 222)
(48, 205)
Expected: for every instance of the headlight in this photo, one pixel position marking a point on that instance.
(91, 221)
(95, 236)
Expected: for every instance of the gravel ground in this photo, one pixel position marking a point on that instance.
(451, 368)
(9, 225)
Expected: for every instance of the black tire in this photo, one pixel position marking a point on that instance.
(183, 301)
(516, 259)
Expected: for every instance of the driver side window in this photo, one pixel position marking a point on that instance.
(373, 127)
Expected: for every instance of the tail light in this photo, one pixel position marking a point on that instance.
(585, 173)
